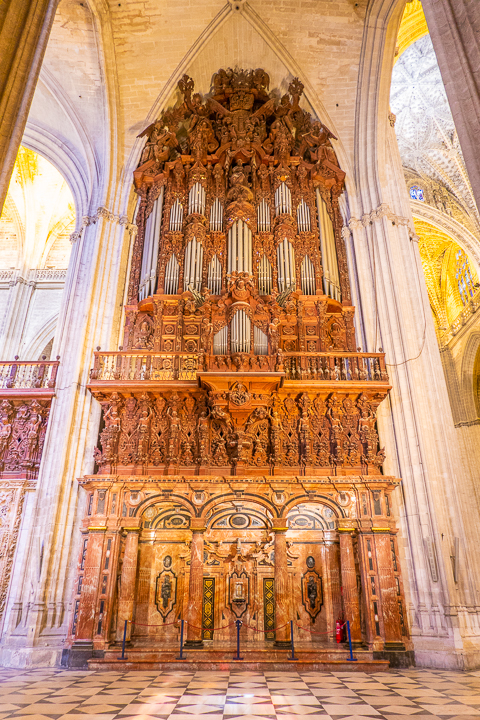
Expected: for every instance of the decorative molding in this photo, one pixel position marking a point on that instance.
(49, 274)
(382, 211)
(104, 214)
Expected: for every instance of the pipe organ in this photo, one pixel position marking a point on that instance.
(239, 247)
(148, 277)
(331, 280)
(240, 369)
(192, 273)
(286, 265)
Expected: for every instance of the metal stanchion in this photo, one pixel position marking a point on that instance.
(181, 656)
(122, 656)
(238, 623)
(351, 658)
(291, 640)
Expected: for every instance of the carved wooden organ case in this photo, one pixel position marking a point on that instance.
(239, 347)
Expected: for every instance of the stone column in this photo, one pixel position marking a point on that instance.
(454, 26)
(195, 589)
(349, 584)
(333, 561)
(24, 31)
(126, 598)
(388, 589)
(283, 613)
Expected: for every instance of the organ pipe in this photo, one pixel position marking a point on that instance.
(214, 276)
(264, 276)
(171, 276)
(239, 247)
(216, 216)
(331, 277)
(308, 276)
(303, 217)
(260, 341)
(196, 199)
(263, 217)
(192, 273)
(283, 200)
(220, 342)
(176, 217)
(285, 265)
(151, 244)
(240, 333)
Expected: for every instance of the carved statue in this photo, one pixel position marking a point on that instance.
(312, 592)
(166, 591)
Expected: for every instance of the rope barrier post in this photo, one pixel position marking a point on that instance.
(122, 656)
(291, 640)
(181, 656)
(238, 623)
(351, 658)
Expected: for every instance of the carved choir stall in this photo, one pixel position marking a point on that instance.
(238, 469)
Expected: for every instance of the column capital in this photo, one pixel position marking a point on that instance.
(198, 525)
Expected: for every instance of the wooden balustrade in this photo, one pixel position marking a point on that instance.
(140, 366)
(28, 375)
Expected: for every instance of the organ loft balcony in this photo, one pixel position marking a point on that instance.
(27, 389)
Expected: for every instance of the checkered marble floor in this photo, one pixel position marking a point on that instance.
(176, 695)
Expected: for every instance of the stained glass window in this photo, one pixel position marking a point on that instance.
(416, 193)
(464, 277)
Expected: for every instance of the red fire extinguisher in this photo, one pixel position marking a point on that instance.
(338, 631)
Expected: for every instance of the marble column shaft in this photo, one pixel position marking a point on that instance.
(388, 589)
(128, 578)
(349, 586)
(195, 590)
(283, 613)
(90, 583)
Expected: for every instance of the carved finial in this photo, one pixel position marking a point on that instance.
(44, 357)
(98, 348)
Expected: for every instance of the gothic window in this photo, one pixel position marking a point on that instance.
(171, 276)
(239, 247)
(196, 199)
(308, 276)
(264, 276)
(416, 193)
(464, 277)
(283, 200)
(176, 217)
(303, 217)
(151, 243)
(214, 276)
(286, 265)
(216, 216)
(192, 274)
(263, 217)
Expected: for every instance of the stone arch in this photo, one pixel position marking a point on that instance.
(251, 497)
(319, 500)
(469, 375)
(161, 498)
(41, 339)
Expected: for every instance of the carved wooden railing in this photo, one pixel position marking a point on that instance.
(136, 366)
(28, 375)
(341, 366)
(140, 366)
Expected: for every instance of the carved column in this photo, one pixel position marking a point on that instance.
(90, 584)
(332, 561)
(126, 596)
(349, 584)
(388, 589)
(283, 613)
(195, 588)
